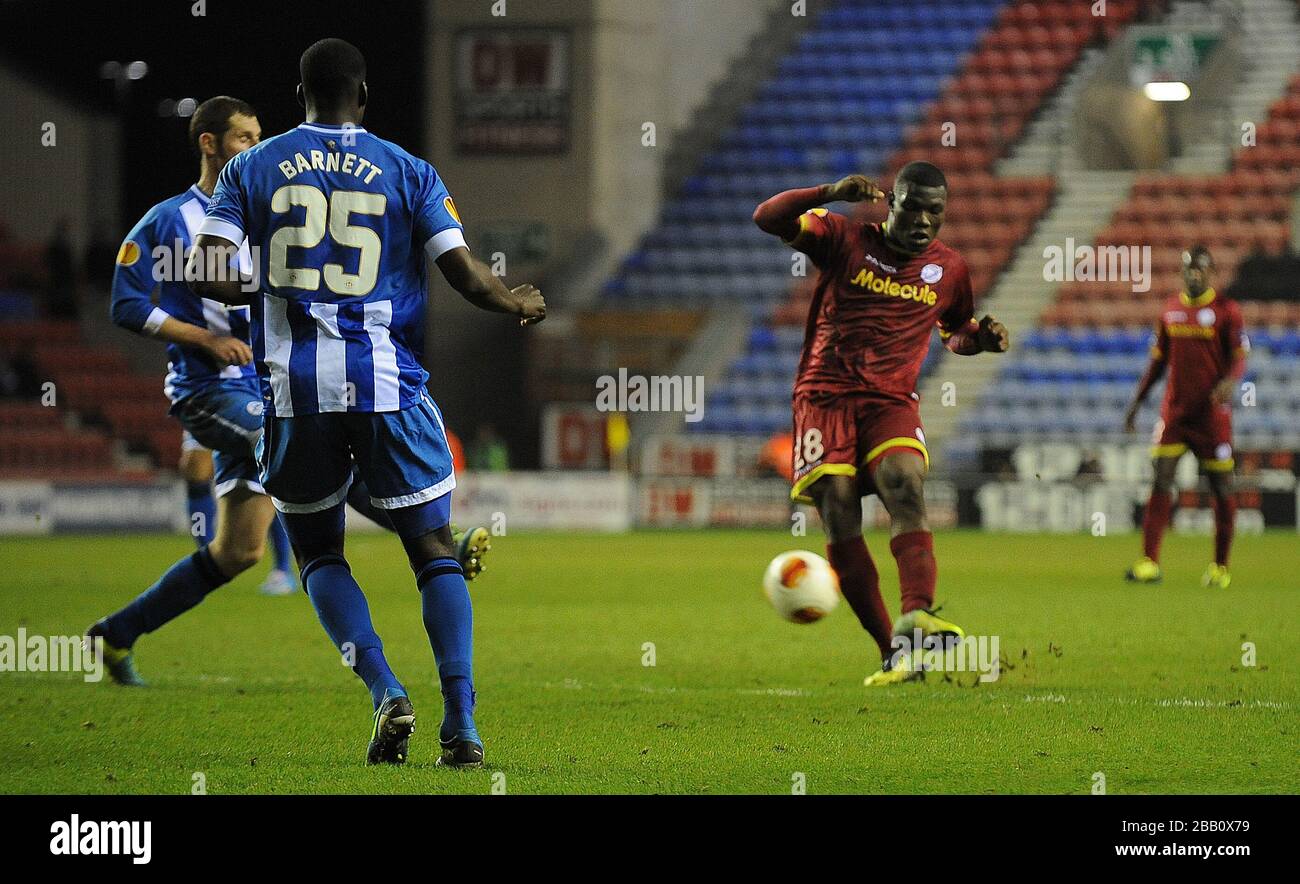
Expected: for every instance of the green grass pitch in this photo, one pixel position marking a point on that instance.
(1144, 685)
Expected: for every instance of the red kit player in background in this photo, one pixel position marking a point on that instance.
(1201, 340)
(882, 288)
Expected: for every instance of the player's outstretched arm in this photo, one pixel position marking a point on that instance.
(212, 271)
(478, 285)
(779, 215)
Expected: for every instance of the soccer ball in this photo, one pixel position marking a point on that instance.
(802, 586)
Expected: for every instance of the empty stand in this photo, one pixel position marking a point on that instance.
(833, 109)
(100, 410)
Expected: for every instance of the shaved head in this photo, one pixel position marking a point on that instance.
(920, 173)
(332, 72)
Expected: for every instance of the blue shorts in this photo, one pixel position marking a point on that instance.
(403, 458)
(227, 419)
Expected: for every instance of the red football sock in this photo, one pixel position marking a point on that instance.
(917, 571)
(1154, 521)
(860, 586)
(1225, 517)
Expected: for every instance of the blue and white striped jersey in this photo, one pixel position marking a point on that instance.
(339, 222)
(153, 256)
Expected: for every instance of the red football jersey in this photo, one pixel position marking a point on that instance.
(1199, 339)
(873, 308)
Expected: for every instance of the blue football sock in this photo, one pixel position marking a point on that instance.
(341, 606)
(203, 512)
(184, 585)
(449, 620)
(280, 545)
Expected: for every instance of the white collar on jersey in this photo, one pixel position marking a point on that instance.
(198, 192)
(330, 129)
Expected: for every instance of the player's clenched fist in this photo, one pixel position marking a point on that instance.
(532, 307)
(993, 336)
(855, 189)
(228, 351)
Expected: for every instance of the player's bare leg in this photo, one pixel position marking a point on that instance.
(839, 503)
(1225, 514)
(196, 465)
(899, 479)
(1154, 522)
(243, 518)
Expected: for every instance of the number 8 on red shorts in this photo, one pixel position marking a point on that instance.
(839, 435)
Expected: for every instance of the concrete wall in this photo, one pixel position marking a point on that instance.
(633, 62)
(76, 178)
(656, 62)
(1116, 127)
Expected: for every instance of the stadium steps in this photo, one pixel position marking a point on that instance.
(1270, 32)
(720, 341)
(1085, 202)
(1042, 150)
(747, 73)
(590, 343)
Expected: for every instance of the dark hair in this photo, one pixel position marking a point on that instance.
(922, 173)
(331, 70)
(214, 116)
(1195, 253)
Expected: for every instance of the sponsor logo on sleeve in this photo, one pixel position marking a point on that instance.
(128, 254)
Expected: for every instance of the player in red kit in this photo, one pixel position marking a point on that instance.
(1201, 340)
(857, 422)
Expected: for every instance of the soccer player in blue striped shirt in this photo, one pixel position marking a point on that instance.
(213, 388)
(342, 223)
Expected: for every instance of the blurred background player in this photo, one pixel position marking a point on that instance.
(335, 349)
(857, 422)
(214, 392)
(1200, 338)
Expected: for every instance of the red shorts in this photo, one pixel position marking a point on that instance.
(838, 435)
(1209, 437)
